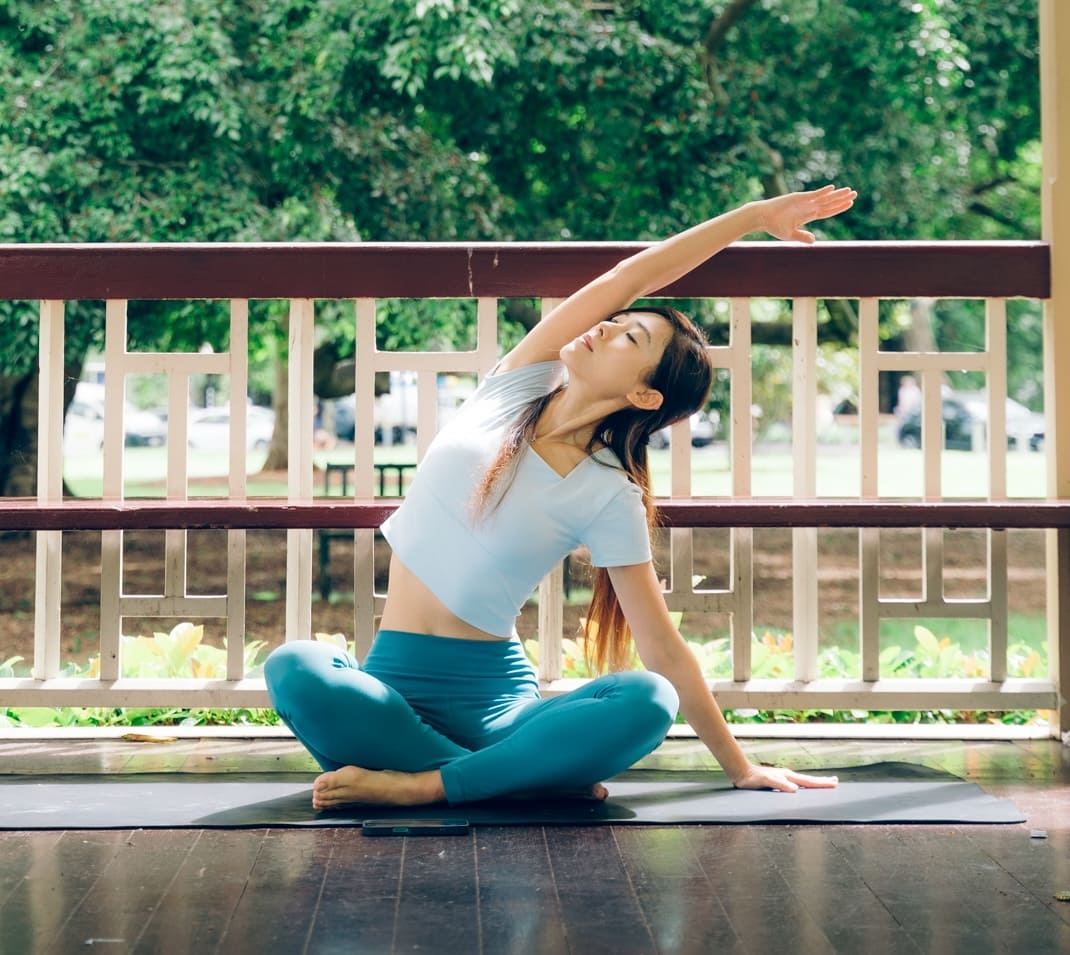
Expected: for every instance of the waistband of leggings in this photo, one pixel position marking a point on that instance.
(390, 642)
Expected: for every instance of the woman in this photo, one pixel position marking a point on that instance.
(446, 707)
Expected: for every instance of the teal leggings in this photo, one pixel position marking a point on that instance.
(469, 708)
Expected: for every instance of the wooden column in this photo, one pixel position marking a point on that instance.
(1055, 134)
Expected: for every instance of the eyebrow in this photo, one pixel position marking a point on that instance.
(646, 331)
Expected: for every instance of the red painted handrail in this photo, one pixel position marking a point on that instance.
(25, 514)
(554, 269)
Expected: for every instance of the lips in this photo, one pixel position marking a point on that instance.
(586, 339)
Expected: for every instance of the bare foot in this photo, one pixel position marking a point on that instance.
(351, 784)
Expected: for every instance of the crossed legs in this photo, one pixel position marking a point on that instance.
(378, 747)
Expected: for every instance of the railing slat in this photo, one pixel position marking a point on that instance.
(551, 587)
(299, 475)
(48, 583)
(741, 396)
(804, 484)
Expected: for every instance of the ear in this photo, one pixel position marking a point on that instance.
(645, 399)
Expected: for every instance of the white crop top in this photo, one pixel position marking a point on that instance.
(484, 570)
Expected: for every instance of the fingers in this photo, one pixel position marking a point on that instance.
(831, 201)
(834, 193)
(786, 215)
(816, 782)
(788, 781)
(823, 203)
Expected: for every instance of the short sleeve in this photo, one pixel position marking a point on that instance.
(618, 536)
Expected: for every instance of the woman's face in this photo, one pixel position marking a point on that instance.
(619, 354)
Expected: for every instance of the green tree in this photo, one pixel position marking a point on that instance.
(217, 120)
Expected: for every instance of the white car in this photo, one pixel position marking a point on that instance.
(209, 428)
(1025, 428)
(703, 431)
(83, 427)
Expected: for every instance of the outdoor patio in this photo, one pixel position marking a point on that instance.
(615, 889)
(619, 889)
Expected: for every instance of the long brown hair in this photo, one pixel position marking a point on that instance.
(683, 376)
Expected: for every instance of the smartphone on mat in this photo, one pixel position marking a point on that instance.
(415, 827)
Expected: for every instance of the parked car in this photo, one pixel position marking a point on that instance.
(395, 410)
(209, 429)
(703, 431)
(1023, 425)
(344, 409)
(83, 426)
(965, 416)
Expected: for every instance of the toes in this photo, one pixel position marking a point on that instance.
(323, 782)
(321, 788)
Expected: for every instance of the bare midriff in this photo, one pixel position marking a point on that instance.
(413, 608)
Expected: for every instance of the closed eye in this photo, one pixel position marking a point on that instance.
(615, 319)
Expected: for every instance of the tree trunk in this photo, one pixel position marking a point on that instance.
(918, 335)
(18, 435)
(278, 456)
(19, 409)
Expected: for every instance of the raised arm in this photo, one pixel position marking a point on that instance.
(662, 263)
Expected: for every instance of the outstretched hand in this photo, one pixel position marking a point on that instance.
(785, 216)
(784, 780)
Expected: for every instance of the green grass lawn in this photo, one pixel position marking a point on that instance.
(964, 473)
(144, 471)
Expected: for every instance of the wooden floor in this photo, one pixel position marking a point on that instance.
(762, 889)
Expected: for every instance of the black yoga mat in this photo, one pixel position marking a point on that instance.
(879, 793)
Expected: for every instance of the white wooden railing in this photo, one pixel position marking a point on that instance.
(865, 273)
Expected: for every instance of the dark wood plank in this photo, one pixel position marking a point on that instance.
(114, 910)
(1048, 761)
(62, 873)
(455, 270)
(624, 889)
(850, 915)
(519, 910)
(981, 761)
(756, 897)
(278, 906)
(1040, 865)
(599, 907)
(21, 852)
(438, 910)
(683, 911)
(948, 895)
(207, 885)
(24, 856)
(359, 902)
